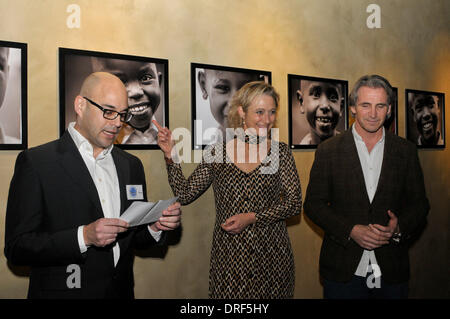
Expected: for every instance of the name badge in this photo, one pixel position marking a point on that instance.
(135, 192)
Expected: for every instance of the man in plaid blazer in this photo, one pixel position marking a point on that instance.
(366, 191)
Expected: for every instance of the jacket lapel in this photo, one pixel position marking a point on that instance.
(351, 154)
(123, 174)
(386, 166)
(74, 165)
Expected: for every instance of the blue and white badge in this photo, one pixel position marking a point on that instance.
(135, 192)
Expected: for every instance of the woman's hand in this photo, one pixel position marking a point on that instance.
(165, 141)
(237, 223)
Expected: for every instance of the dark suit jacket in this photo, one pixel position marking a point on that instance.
(51, 194)
(336, 200)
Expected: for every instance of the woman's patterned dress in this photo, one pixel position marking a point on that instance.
(258, 262)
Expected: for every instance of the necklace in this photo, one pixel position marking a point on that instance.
(250, 139)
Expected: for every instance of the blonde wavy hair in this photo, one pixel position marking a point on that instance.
(245, 96)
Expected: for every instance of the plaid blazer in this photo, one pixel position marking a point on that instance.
(336, 200)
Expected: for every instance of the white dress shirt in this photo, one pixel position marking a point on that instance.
(371, 167)
(104, 175)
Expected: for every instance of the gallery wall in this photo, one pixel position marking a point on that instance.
(323, 38)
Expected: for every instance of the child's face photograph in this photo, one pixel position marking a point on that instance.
(143, 83)
(426, 115)
(219, 87)
(4, 71)
(322, 104)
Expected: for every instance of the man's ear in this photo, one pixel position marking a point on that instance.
(79, 104)
(202, 82)
(300, 99)
(353, 110)
(389, 110)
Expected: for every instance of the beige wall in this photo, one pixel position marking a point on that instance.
(325, 38)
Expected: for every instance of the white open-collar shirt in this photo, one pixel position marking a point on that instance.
(104, 175)
(371, 167)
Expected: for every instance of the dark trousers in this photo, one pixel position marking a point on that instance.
(364, 288)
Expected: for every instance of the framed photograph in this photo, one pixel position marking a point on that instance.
(13, 96)
(212, 87)
(146, 80)
(391, 122)
(317, 110)
(425, 118)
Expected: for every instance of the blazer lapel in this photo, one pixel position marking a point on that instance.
(74, 165)
(351, 154)
(386, 165)
(123, 174)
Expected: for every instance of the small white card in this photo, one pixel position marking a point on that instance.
(135, 192)
(140, 213)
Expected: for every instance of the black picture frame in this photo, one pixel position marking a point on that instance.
(13, 95)
(391, 122)
(431, 105)
(75, 65)
(201, 105)
(300, 129)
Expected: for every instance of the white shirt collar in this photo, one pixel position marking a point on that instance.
(358, 137)
(83, 144)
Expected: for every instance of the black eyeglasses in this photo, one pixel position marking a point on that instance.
(111, 114)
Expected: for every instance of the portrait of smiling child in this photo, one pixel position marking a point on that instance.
(321, 104)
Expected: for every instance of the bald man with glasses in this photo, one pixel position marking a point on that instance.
(66, 198)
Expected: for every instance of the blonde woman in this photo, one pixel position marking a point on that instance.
(254, 194)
